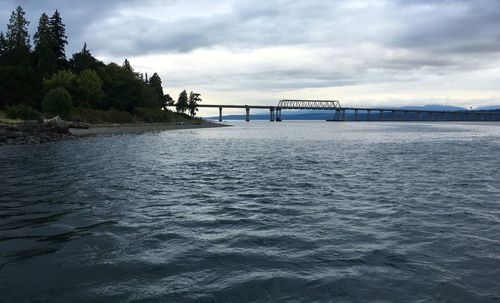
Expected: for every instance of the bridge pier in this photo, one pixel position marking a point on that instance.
(419, 116)
(393, 115)
(405, 114)
(220, 114)
(271, 114)
(355, 115)
(247, 116)
(278, 115)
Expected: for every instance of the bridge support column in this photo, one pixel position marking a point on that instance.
(247, 116)
(445, 118)
(271, 114)
(220, 114)
(355, 115)
(393, 115)
(278, 114)
(419, 116)
(405, 115)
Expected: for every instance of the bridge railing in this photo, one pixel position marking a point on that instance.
(312, 104)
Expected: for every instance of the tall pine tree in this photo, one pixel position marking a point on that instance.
(58, 32)
(155, 84)
(18, 39)
(44, 48)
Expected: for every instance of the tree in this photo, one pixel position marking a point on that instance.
(155, 84)
(17, 30)
(168, 100)
(18, 39)
(45, 57)
(89, 90)
(127, 66)
(182, 102)
(84, 60)
(3, 44)
(122, 88)
(194, 98)
(63, 78)
(58, 101)
(58, 32)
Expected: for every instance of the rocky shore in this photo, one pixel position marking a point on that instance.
(34, 132)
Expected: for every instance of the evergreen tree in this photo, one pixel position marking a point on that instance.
(168, 100)
(192, 106)
(3, 44)
(58, 32)
(127, 66)
(155, 84)
(182, 102)
(17, 30)
(84, 60)
(46, 59)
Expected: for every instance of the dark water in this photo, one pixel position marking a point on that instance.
(263, 212)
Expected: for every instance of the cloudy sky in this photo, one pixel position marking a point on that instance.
(360, 52)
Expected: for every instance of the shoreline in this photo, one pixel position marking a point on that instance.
(32, 132)
(139, 128)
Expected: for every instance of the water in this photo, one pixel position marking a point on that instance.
(263, 212)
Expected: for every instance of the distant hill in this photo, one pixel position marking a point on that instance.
(434, 107)
(489, 107)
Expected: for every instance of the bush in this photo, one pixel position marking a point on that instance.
(57, 101)
(23, 112)
(99, 116)
(153, 115)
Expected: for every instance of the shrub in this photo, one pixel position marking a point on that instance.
(153, 115)
(99, 116)
(23, 112)
(58, 101)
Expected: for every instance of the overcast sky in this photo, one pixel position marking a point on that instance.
(390, 53)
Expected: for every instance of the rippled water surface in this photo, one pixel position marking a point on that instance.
(264, 212)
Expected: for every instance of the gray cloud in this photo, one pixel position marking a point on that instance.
(362, 41)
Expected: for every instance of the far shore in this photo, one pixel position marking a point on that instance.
(137, 128)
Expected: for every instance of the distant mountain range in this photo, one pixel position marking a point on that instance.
(324, 115)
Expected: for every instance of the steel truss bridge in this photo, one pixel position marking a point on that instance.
(361, 113)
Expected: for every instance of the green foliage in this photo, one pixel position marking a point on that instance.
(23, 112)
(17, 31)
(156, 85)
(88, 115)
(182, 102)
(17, 85)
(57, 101)
(3, 45)
(27, 76)
(45, 57)
(153, 115)
(84, 60)
(63, 78)
(122, 87)
(194, 98)
(89, 90)
(58, 33)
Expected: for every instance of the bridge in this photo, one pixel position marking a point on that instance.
(361, 113)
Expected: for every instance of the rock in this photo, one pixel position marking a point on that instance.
(78, 125)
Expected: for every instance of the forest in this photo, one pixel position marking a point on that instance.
(39, 81)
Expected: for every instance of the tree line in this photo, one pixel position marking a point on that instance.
(37, 75)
